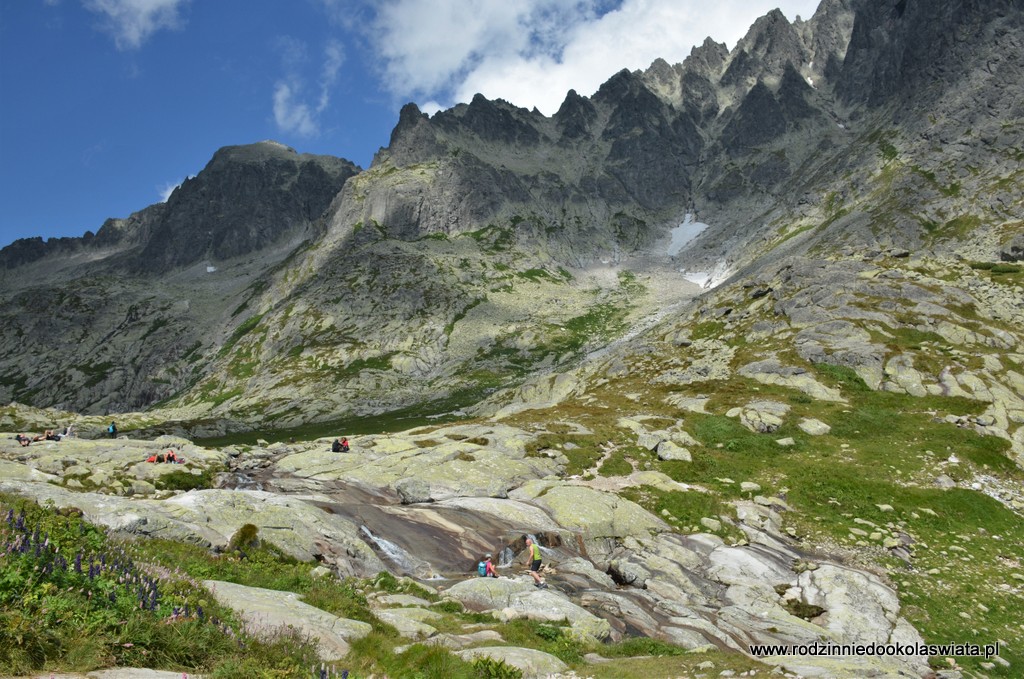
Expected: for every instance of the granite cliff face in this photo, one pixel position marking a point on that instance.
(247, 199)
(488, 242)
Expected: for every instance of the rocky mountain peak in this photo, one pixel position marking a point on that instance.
(763, 53)
(575, 117)
(492, 121)
(245, 199)
(707, 58)
(413, 140)
(826, 36)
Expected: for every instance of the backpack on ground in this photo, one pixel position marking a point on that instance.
(481, 569)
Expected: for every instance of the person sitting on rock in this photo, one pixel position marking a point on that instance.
(336, 446)
(22, 440)
(489, 568)
(51, 435)
(171, 457)
(344, 444)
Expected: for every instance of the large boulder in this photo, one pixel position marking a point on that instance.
(520, 599)
(762, 417)
(596, 514)
(210, 518)
(1013, 251)
(265, 612)
(110, 463)
(771, 371)
(463, 462)
(532, 663)
(16, 471)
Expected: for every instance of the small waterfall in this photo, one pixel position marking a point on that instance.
(237, 481)
(505, 557)
(405, 562)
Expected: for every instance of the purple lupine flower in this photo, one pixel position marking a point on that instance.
(199, 613)
(78, 563)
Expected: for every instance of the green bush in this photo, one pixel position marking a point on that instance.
(71, 598)
(181, 479)
(244, 538)
(489, 668)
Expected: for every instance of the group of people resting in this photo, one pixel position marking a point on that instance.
(48, 435)
(169, 457)
(340, 445)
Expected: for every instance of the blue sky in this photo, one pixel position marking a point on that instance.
(106, 105)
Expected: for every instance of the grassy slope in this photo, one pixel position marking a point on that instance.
(964, 580)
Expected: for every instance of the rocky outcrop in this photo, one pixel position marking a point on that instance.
(513, 599)
(530, 662)
(1013, 251)
(265, 612)
(611, 565)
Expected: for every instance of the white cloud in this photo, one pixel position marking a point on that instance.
(294, 111)
(167, 189)
(531, 52)
(334, 57)
(290, 113)
(131, 22)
